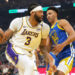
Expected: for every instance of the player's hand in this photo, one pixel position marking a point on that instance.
(57, 49)
(1, 36)
(1, 33)
(52, 68)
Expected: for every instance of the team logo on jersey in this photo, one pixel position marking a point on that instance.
(26, 32)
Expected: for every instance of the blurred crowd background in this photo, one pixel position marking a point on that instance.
(67, 11)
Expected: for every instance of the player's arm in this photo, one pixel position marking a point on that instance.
(71, 35)
(8, 33)
(37, 58)
(43, 45)
(1, 33)
(43, 49)
(48, 58)
(12, 28)
(5, 35)
(49, 44)
(45, 33)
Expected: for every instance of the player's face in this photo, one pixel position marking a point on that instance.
(51, 15)
(38, 16)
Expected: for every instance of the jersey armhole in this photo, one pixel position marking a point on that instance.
(59, 26)
(21, 25)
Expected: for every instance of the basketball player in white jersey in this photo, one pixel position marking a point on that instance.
(26, 34)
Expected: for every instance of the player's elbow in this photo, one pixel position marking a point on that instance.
(73, 36)
(3, 40)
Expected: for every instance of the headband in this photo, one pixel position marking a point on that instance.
(38, 8)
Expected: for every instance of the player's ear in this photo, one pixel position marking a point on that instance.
(56, 15)
(32, 13)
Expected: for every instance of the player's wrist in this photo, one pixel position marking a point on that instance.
(64, 44)
(52, 62)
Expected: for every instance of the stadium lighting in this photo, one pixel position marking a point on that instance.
(7, 1)
(58, 6)
(11, 11)
(21, 10)
(45, 8)
(73, 4)
(17, 10)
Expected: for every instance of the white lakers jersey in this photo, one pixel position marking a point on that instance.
(26, 37)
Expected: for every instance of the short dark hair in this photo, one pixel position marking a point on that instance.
(32, 6)
(54, 9)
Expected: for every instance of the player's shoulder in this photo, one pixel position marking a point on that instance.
(25, 17)
(45, 25)
(15, 20)
(62, 21)
(45, 30)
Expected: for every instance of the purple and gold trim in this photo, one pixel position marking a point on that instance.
(11, 53)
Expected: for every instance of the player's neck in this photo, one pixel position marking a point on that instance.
(33, 22)
(54, 22)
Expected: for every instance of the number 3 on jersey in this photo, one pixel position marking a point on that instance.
(28, 41)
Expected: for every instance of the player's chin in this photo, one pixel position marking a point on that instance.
(50, 21)
(41, 19)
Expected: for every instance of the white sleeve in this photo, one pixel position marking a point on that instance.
(45, 30)
(15, 24)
